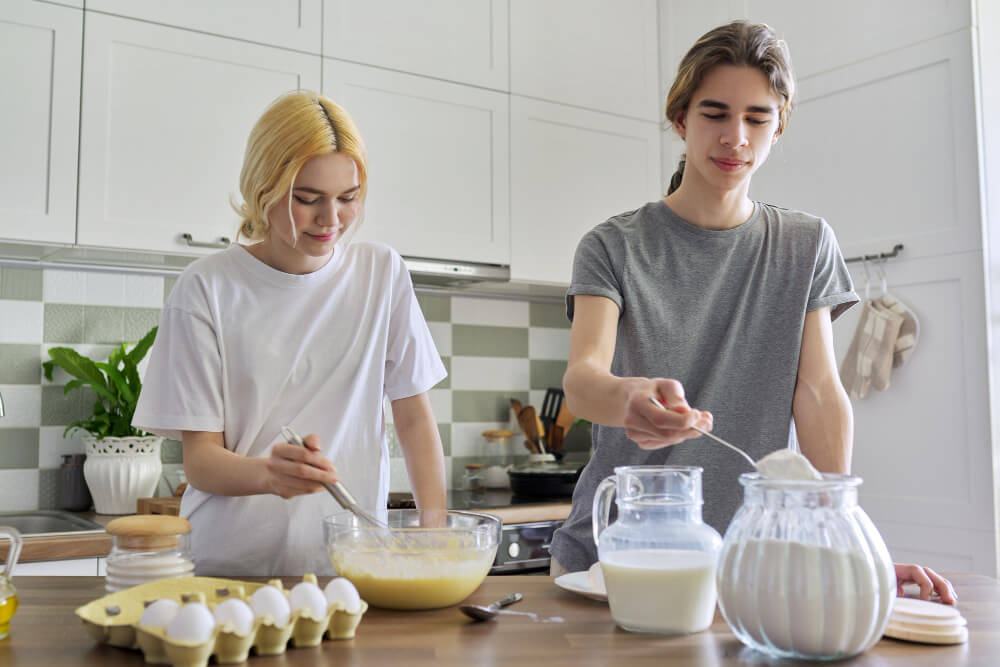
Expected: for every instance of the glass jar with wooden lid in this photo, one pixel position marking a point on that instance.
(147, 547)
(497, 457)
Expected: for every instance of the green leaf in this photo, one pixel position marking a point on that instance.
(132, 377)
(81, 367)
(142, 347)
(73, 384)
(47, 367)
(118, 380)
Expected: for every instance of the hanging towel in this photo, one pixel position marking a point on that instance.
(869, 358)
(909, 331)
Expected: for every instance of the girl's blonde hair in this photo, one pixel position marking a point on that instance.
(739, 43)
(296, 127)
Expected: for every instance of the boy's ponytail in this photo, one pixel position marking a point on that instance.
(675, 180)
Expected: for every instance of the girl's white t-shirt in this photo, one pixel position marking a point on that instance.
(246, 349)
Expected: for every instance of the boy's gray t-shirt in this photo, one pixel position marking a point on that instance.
(722, 312)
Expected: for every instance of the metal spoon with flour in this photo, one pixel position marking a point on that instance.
(780, 464)
(719, 440)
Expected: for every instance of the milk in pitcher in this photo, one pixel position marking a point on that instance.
(658, 557)
(666, 591)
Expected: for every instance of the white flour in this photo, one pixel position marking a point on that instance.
(804, 598)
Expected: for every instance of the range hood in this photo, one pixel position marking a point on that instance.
(489, 281)
(444, 273)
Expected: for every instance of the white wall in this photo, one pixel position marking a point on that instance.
(987, 35)
(883, 143)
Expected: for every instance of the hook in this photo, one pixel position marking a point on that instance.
(868, 278)
(884, 279)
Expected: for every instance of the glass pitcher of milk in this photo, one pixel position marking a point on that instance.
(658, 558)
(803, 572)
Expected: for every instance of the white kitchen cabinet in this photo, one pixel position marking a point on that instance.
(589, 53)
(456, 40)
(438, 162)
(73, 567)
(165, 118)
(816, 31)
(571, 169)
(907, 174)
(39, 120)
(290, 24)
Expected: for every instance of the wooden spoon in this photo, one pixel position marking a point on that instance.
(528, 419)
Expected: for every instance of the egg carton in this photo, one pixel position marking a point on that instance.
(113, 619)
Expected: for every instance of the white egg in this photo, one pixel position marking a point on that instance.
(237, 612)
(192, 623)
(269, 601)
(159, 613)
(341, 590)
(308, 596)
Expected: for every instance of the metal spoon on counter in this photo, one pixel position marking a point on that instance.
(480, 613)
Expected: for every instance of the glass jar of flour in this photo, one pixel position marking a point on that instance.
(803, 572)
(658, 558)
(147, 547)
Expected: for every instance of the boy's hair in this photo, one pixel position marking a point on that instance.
(739, 43)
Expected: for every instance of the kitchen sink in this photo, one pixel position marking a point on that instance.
(38, 522)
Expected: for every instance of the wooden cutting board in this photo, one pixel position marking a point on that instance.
(169, 505)
(166, 505)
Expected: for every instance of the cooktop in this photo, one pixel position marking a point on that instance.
(468, 500)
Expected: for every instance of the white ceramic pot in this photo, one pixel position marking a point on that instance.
(121, 470)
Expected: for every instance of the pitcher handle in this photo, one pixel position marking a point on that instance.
(15, 548)
(602, 506)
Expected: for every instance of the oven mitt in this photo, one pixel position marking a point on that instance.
(909, 331)
(868, 362)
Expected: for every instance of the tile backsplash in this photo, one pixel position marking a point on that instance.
(493, 349)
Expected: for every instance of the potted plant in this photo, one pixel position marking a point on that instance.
(123, 463)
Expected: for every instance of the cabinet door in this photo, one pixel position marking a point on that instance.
(457, 40)
(39, 120)
(438, 152)
(929, 200)
(571, 169)
(590, 53)
(166, 115)
(290, 24)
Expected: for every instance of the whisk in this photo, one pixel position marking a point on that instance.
(338, 490)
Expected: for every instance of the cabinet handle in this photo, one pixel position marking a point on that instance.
(223, 242)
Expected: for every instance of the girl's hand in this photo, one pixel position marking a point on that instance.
(295, 471)
(653, 427)
(929, 581)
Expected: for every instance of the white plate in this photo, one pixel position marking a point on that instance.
(577, 582)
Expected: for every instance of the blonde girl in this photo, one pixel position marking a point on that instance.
(300, 328)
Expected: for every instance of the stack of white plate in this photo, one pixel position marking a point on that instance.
(134, 569)
(916, 620)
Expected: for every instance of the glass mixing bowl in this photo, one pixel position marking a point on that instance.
(428, 558)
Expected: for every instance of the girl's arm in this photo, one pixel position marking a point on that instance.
(594, 393)
(289, 471)
(824, 419)
(421, 444)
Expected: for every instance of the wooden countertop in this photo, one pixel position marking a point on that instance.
(45, 631)
(61, 547)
